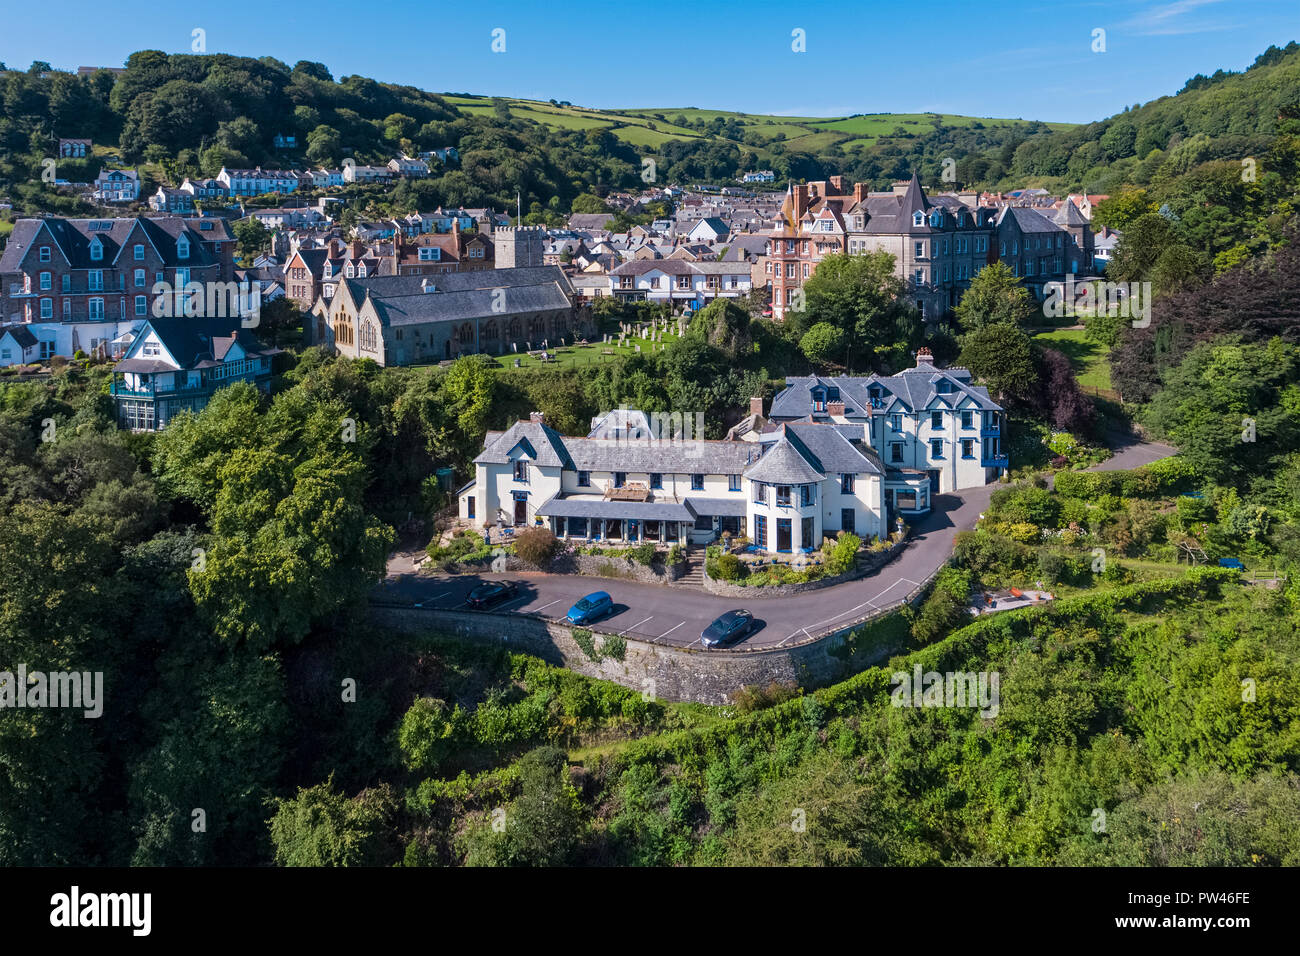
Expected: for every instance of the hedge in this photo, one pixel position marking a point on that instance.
(1156, 480)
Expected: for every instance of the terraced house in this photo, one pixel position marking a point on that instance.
(679, 280)
(804, 482)
(82, 283)
(938, 243)
(931, 428)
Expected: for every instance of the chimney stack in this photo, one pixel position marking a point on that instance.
(837, 185)
(860, 191)
(835, 409)
(537, 418)
(924, 357)
(756, 405)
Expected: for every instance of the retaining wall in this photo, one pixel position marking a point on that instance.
(669, 673)
(870, 563)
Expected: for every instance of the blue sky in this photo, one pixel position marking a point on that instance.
(1009, 58)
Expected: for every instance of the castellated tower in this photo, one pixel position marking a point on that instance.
(517, 247)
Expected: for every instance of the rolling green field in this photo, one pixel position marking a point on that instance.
(653, 126)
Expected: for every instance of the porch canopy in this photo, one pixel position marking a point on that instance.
(615, 510)
(719, 507)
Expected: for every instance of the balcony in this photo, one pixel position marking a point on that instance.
(990, 431)
(994, 461)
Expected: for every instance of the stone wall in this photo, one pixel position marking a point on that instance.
(867, 564)
(598, 566)
(669, 673)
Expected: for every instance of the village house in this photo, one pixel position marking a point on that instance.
(117, 185)
(74, 148)
(808, 482)
(679, 281)
(258, 181)
(934, 431)
(104, 270)
(176, 364)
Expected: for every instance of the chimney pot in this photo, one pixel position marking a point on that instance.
(537, 418)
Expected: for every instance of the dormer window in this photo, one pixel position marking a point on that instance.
(937, 219)
(96, 250)
(918, 218)
(182, 248)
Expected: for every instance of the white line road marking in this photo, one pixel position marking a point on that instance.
(670, 630)
(439, 597)
(545, 606)
(522, 597)
(637, 624)
(802, 630)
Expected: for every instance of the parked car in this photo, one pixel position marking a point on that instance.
(492, 592)
(730, 627)
(590, 608)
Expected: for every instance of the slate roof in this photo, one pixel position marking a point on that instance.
(830, 452)
(73, 237)
(1069, 215)
(545, 445)
(471, 304)
(20, 334)
(587, 507)
(194, 343)
(638, 456)
(914, 388)
(784, 464)
(1028, 219)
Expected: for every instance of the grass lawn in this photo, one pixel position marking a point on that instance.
(584, 356)
(1090, 359)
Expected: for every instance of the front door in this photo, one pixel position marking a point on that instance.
(783, 534)
(934, 481)
(848, 520)
(521, 511)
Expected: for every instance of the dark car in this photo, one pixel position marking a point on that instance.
(493, 592)
(732, 626)
(593, 606)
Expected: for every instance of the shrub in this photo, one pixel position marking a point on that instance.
(676, 554)
(842, 555)
(725, 567)
(1025, 504)
(946, 607)
(752, 697)
(582, 637)
(536, 546)
(1051, 565)
(642, 553)
(615, 647)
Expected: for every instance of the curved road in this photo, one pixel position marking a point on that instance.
(677, 615)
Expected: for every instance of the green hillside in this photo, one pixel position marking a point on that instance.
(653, 126)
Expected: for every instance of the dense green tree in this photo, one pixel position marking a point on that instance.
(995, 295)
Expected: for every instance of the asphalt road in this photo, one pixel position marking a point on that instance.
(677, 615)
